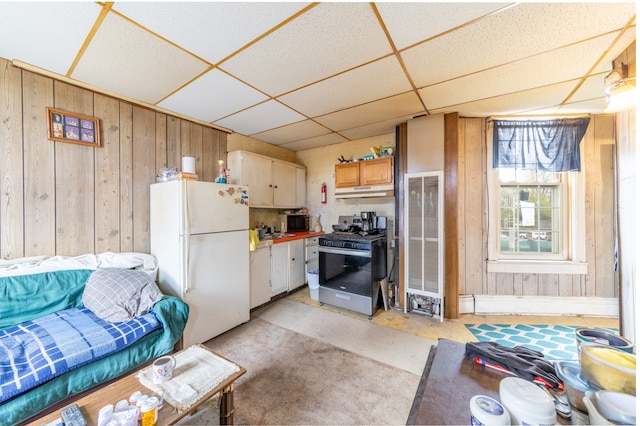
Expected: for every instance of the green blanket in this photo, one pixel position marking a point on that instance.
(170, 311)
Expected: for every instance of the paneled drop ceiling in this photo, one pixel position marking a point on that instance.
(302, 75)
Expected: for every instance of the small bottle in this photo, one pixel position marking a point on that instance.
(133, 399)
(222, 175)
(149, 411)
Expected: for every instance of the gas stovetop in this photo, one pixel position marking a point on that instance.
(354, 235)
(350, 240)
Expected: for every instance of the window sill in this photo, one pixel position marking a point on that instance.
(537, 267)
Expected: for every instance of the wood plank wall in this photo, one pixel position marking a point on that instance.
(597, 162)
(66, 199)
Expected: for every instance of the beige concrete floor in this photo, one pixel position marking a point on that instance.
(434, 329)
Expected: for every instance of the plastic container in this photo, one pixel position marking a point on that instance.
(608, 368)
(590, 335)
(617, 407)
(574, 385)
(487, 411)
(526, 402)
(313, 279)
(149, 411)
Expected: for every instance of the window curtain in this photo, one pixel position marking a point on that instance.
(546, 145)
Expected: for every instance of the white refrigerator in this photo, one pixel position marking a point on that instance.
(200, 235)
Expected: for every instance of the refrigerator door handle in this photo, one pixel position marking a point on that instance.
(184, 249)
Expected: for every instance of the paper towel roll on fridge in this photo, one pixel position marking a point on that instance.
(189, 164)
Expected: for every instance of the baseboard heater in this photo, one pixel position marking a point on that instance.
(538, 305)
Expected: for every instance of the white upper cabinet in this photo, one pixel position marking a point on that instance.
(272, 183)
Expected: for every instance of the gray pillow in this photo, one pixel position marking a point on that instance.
(116, 294)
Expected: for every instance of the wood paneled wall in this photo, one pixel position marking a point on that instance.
(66, 199)
(597, 163)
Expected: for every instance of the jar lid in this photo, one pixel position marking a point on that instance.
(149, 404)
(487, 411)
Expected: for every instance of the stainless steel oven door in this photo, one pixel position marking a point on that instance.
(345, 270)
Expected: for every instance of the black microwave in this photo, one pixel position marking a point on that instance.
(293, 222)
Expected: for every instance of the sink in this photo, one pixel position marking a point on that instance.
(281, 235)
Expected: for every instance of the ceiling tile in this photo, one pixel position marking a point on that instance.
(201, 98)
(395, 106)
(379, 128)
(292, 132)
(521, 31)
(324, 140)
(31, 32)
(592, 88)
(364, 84)
(210, 30)
(410, 23)
(326, 40)
(147, 69)
(531, 72)
(584, 106)
(514, 103)
(268, 115)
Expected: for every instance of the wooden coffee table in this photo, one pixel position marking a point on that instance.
(91, 404)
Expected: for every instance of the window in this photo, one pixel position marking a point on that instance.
(532, 208)
(536, 210)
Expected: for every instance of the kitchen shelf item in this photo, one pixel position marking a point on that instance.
(526, 402)
(575, 386)
(608, 368)
(591, 335)
(617, 406)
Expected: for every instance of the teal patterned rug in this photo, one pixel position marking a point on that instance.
(556, 342)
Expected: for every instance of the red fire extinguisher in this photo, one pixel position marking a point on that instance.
(323, 194)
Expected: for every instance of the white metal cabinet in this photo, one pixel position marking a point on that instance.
(284, 184)
(272, 182)
(255, 171)
(260, 276)
(297, 273)
(310, 253)
(279, 268)
(301, 186)
(424, 241)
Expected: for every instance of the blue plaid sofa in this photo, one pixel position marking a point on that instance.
(53, 347)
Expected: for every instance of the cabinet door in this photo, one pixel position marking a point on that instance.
(260, 277)
(301, 187)
(257, 174)
(284, 184)
(279, 268)
(347, 175)
(296, 273)
(311, 254)
(376, 172)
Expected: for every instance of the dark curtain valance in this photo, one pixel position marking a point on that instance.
(548, 145)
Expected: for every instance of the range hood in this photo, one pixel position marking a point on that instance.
(365, 191)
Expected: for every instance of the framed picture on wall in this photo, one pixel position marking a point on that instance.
(65, 126)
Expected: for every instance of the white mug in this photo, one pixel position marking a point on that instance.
(162, 369)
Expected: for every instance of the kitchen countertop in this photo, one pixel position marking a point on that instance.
(266, 242)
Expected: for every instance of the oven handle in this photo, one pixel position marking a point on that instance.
(346, 252)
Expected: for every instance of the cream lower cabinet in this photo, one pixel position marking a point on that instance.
(260, 277)
(311, 257)
(279, 268)
(287, 266)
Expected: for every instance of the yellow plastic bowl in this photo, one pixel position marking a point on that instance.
(608, 368)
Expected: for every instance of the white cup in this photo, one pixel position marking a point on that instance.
(189, 164)
(162, 369)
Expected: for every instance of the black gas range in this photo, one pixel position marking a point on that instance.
(351, 267)
(356, 240)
